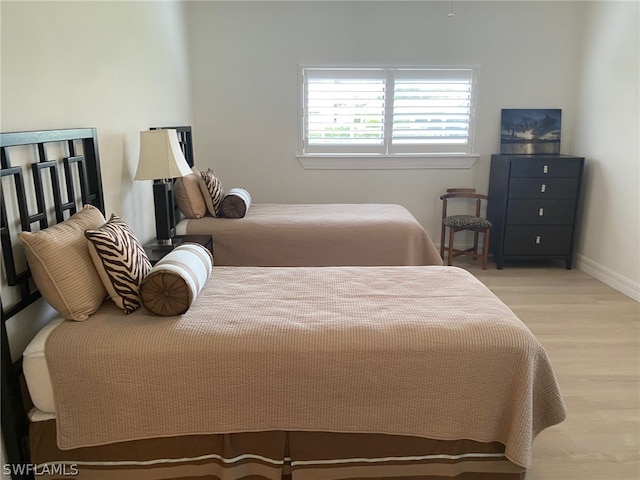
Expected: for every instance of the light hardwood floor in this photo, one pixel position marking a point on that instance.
(592, 335)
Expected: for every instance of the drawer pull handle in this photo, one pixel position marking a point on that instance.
(538, 239)
(543, 188)
(541, 212)
(545, 169)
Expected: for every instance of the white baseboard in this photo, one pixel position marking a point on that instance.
(608, 276)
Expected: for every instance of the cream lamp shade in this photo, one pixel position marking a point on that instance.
(160, 156)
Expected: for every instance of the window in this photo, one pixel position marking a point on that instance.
(387, 111)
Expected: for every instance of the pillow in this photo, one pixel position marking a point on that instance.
(174, 282)
(188, 195)
(120, 261)
(214, 191)
(235, 203)
(61, 265)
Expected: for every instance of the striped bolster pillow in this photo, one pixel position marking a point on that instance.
(235, 203)
(174, 282)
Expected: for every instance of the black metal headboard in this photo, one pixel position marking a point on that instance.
(63, 181)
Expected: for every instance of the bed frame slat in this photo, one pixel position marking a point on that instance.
(14, 277)
(80, 161)
(38, 168)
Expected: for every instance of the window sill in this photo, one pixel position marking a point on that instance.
(387, 162)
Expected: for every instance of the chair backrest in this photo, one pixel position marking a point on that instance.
(463, 193)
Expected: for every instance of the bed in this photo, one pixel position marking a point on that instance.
(270, 234)
(295, 373)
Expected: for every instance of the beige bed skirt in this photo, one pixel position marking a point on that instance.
(273, 455)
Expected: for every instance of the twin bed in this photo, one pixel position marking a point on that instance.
(274, 372)
(299, 235)
(319, 235)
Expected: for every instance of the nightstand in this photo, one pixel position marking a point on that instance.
(156, 254)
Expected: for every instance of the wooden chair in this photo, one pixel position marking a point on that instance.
(457, 223)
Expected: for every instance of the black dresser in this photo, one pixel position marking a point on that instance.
(533, 201)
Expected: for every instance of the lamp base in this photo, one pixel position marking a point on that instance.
(165, 218)
(168, 244)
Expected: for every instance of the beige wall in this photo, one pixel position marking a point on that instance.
(244, 80)
(608, 134)
(119, 66)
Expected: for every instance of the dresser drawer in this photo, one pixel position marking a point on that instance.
(522, 240)
(524, 187)
(540, 212)
(546, 167)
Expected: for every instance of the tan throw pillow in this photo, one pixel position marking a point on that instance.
(120, 261)
(174, 282)
(188, 195)
(215, 191)
(61, 265)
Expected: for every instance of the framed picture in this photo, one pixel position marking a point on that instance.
(530, 131)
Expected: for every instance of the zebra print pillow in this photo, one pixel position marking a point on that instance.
(214, 187)
(120, 261)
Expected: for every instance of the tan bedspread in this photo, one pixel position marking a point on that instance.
(290, 235)
(424, 351)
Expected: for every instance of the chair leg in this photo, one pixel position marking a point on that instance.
(451, 235)
(442, 236)
(485, 248)
(476, 234)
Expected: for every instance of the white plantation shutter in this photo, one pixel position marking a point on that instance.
(431, 114)
(344, 110)
(387, 111)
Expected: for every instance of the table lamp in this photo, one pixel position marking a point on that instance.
(161, 160)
